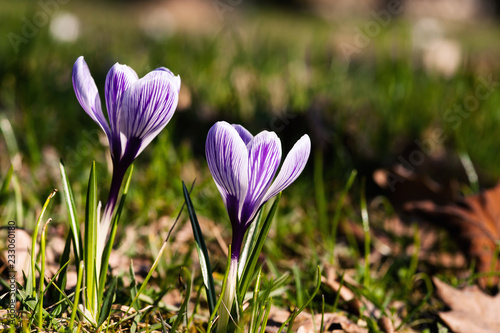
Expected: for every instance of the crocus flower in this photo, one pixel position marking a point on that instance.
(138, 109)
(243, 167)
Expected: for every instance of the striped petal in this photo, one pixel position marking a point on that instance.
(118, 80)
(294, 163)
(147, 107)
(87, 94)
(264, 157)
(227, 159)
(245, 135)
(176, 80)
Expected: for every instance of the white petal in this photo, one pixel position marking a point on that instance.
(118, 80)
(245, 135)
(175, 79)
(227, 159)
(87, 94)
(292, 167)
(264, 157)
(148, 105)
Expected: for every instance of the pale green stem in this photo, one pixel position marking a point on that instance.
(77, 295)
(42, 274)
(228, 297)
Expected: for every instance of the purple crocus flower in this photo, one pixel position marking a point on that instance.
(138, 109)
(243, 167)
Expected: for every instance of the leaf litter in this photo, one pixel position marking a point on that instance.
(473, 221)
(471, 310)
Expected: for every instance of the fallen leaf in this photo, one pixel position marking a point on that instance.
(22, 253)
(386, 325)
(473, 221)
(332, 321)
(306, 323)
(360, 304)
(471, 309)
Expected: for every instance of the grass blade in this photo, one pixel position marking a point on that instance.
(248, 272)
(5, 184)
(219, 301)
(108, 302)
(90, 244)
(337, 297)
(296, 313)
(412, 269)
(263, 324)
(299, 291)
(30, 286)
(184, 306)
(133, 294)
(430, 291)
(338, 208)
(255, 309)
(470, 171)
(72, 214)
(319, 188)
(41, 288)
(366, 230)
(81, 267)
(322, 325)
(62, 276)
(249, 243)
(205, 260)
(133, 286)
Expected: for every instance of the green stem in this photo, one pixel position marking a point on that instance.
(42, 274)
(33, 241)
(77, 294)
(338, 208)
(228, 297)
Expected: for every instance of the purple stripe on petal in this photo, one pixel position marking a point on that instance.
(264, 157)
(147, 106)
(175, 79)
(292, 167)
(118, 80)
(87, 94)
(227, 159)
(245, 135)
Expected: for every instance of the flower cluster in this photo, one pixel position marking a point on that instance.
(244, 167)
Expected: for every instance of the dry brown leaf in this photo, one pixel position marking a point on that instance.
(386, 325)
(357, 305)
(474, 220)
(429, 240)
(471, 309)
(23, 250)
(352, 328)
(305, 323)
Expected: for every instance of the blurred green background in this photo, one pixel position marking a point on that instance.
(365, 83)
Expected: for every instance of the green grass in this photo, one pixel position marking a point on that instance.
(273, 70)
